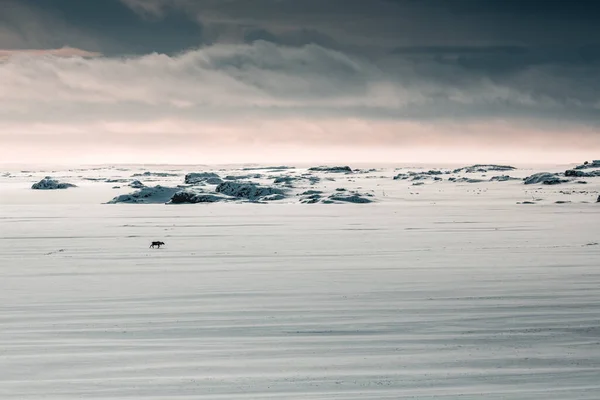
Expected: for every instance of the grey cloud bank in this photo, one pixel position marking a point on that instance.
(210, 67)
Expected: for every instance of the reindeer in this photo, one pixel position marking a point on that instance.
(157, 244)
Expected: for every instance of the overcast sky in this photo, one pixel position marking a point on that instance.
(196, 81)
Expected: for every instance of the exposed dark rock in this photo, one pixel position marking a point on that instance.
(247, 190)
(147, 195)
(468, 180)
(189, 197)
(354, 198)
(544, 178)
(503, 178)
(137, 185)
(581, 174)
(196, 178)
(344, 169)
(586, 165)
(242, 177)
(484, 168)
(311, 192)
(157, 174)
(51, 184)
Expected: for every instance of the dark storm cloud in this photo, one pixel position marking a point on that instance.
(381, 61)
(108, 26)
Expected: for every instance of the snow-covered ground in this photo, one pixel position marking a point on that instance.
(445, 290)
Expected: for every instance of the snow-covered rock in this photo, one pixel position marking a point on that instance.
(196, 178)
(502, 178)
(147, 195)
(189, 197)
(137, 184)
(156, 174)
(484, 168)
(586, 165)
(579, 173)
(353, 198)
(51, 184)
(247, 190)
(289, 180)
(464, 179)
(242, 177)
(544, 178)
(338, 169)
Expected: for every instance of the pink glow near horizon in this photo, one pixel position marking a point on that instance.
(291, 140)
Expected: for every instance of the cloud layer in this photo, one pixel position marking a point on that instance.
(398, 74)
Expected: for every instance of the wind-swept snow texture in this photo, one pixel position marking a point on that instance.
(443, 291)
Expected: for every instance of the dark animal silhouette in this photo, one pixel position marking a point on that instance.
(157, 244)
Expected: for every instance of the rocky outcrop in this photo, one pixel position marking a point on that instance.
(51, 184)
(247, 190)
(189, 197)
(544, 178)
(147, 195)
(197, 178)
(137, 185)
(338, 169)
(484, 168)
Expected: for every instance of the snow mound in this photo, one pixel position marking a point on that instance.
(344, 169)
(353, 198)
(196, 178)
(51, 184)
(247, 190)
(137, 185)
(502, 178)
(188, 197)
(544, 178)
(484, 168)
(147, 195)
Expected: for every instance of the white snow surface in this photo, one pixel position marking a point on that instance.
(443, 291)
